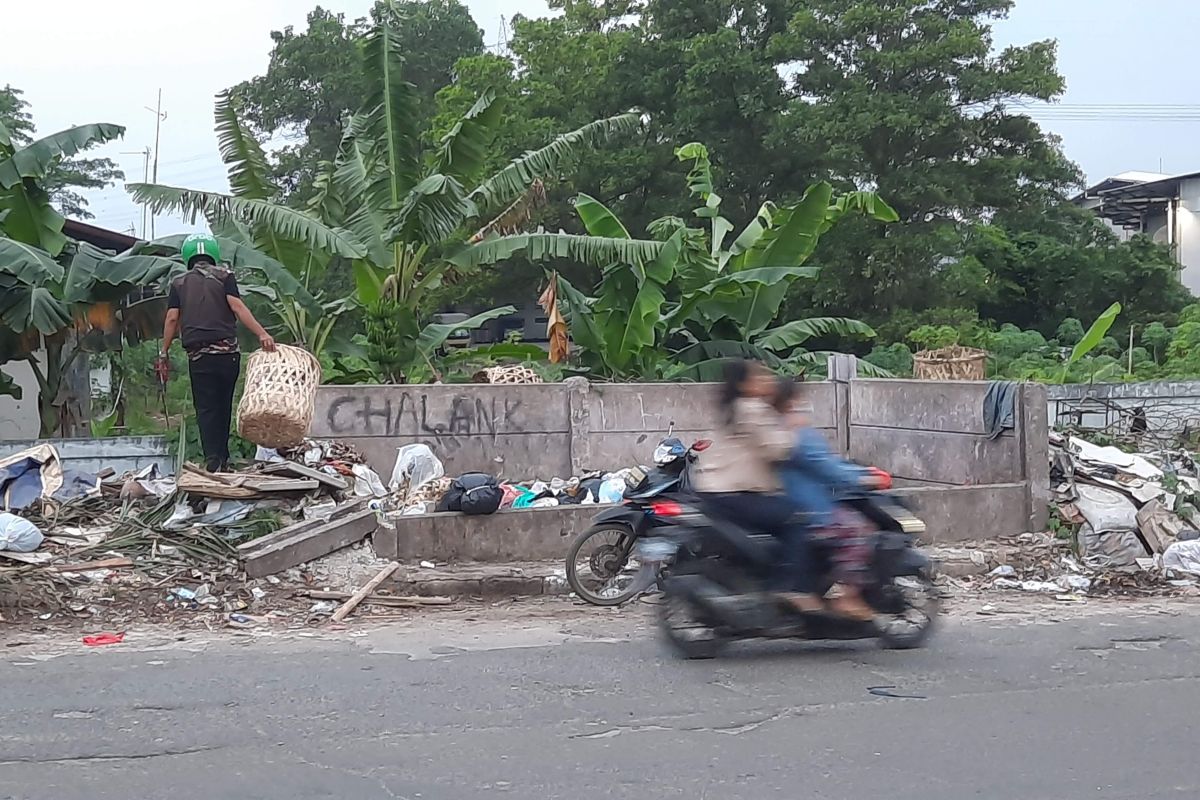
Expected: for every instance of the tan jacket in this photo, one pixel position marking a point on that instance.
(744, 456)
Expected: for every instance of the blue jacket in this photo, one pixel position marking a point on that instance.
(814, 475)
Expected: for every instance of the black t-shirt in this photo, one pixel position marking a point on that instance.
(201, 295)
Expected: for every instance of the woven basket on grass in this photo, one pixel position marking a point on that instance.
(277, 402)
(950, 364)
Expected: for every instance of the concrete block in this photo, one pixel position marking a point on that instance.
(969, 513)
(949, 458)
(952, 406)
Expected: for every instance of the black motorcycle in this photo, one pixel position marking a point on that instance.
(602, 565)
(715, 591)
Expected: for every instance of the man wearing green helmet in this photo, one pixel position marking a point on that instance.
(203, 309)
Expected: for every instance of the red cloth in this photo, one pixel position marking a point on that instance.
(104, 638)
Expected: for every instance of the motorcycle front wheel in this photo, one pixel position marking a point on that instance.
(919, 602)
(601, 565)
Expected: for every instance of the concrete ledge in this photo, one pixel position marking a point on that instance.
(951, 514)
(539, 534)
(969, 513)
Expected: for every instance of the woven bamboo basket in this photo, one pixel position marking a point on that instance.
(950, 364)
(277, 403)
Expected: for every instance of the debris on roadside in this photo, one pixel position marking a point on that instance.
(1124, 523)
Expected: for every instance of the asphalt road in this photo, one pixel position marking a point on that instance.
(590, 705)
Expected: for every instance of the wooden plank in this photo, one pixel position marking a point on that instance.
(309, 544)
(342, 511)
(304, 471)
(357, 597)
(394, 601)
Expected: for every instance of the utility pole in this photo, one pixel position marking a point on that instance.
(145, 154)
(159, 116)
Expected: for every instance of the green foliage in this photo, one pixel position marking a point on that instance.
(931, 337)
(398, 215)
(1069, 332)
(703, 297)
(895, 358)
(1094, 337)
(315, 78)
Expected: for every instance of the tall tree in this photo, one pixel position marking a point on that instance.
(65, 176)
(315, 78)
(910, 97)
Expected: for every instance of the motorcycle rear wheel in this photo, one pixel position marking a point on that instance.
(607, 562)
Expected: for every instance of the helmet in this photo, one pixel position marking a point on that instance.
(200, 244)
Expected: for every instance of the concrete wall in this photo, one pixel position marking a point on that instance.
(19, 418)
(1169, 407)
(1187, 233)
(535, 431)
(929, 435)
(121, 453)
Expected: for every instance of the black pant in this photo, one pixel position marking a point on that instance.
(774, 514)
(214, 377)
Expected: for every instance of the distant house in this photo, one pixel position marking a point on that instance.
(1164, 207)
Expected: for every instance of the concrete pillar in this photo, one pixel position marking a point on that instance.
(579, 424)
(1034, 433)
(842, 368)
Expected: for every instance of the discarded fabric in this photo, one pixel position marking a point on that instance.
(101, 639)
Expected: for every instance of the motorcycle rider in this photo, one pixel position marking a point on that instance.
(812, 477)
(739, 477)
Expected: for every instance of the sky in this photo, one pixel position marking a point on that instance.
(108, 60)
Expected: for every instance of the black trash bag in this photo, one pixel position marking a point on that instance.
(473, 493)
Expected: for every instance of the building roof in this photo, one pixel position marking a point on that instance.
(1124, 199)
(100, 237)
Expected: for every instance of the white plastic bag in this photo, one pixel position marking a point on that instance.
(366, 482)
(18, 535)
(417, 464)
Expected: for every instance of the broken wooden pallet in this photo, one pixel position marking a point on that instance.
(238, 486)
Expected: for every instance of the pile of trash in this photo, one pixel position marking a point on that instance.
(1133, 517)
(242, 543)
(419, 485)
(141, 544)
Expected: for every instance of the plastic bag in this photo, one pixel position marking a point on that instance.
(417, 464)
(366, 482)
(267, 454)
(612, 490)
(1183, 557)
(18, 535)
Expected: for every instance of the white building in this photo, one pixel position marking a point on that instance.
(1164, 207)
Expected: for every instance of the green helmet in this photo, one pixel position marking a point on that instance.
(200, 244)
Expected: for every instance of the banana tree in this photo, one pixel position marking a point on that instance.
(400, 217)
(53, 311)
(58, 299)
(704, 298)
